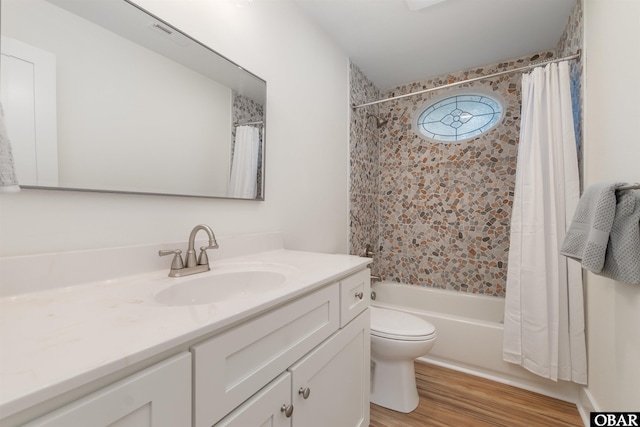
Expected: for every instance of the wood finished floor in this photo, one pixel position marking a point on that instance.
(453, 399)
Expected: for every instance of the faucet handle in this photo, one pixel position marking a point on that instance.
(368, 251)
(203, 258)
(177, 263)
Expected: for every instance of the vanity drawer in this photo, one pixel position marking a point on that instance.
(232, 366)
(355, 294)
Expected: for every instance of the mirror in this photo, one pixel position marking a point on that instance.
(102, 96)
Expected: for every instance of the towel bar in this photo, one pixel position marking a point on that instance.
(629, 187)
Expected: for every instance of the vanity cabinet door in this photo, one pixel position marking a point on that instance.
(159, 396)
(355, 294)
(264, 409)
(336, 377)
(232, 366)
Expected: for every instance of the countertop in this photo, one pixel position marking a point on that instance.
(56, 340)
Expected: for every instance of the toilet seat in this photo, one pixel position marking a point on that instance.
(397, 325)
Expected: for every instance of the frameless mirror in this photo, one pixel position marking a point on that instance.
(100, 95)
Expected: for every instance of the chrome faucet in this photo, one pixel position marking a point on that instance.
(193, 266)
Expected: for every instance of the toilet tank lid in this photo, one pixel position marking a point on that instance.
(394, 322)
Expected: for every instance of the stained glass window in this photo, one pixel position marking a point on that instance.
(459, 117)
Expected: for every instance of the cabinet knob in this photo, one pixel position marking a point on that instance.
(359, 295)
(287, 409)
(305, 392)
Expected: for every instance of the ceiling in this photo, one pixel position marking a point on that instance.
(393, 45)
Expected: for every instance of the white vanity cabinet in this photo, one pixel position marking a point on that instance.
(159, 396)
(335, 380)
(328, 386)
(232, 366)
(355, 295)
(302, 362)
(267, 408)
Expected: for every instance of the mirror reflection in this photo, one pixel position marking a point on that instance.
(100, 95)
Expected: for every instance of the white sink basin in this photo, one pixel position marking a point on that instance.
(211, 288)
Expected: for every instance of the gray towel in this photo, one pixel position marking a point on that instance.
(8, 179)
(622, 260)
(588, 234)
(605, 232)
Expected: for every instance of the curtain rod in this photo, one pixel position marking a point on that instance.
(500, 73)
(260, 122)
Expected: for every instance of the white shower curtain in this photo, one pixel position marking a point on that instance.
(544, 313)
(244, 168)
(8, 178)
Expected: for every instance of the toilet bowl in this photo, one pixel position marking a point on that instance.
(396, 340)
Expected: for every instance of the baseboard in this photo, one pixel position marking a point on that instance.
(586, 404)
(568, 392)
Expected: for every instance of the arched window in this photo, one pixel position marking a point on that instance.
(460, 117)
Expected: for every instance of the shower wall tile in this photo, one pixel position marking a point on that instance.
(570, 43)
(246, 109)
(445, 208)
(442, 211)
(364, 176)
(363, 226)
(364, 168)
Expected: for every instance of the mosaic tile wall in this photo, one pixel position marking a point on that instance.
(437, 214)
(445, 208)
(570, 43)
(363, 159)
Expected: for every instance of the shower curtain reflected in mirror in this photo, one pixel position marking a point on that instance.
(243, 182)
(544, 312)
(8, 178)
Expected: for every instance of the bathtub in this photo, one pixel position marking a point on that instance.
(469, 334)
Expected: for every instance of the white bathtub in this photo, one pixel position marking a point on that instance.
(469, 334)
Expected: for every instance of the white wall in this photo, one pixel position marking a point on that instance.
(307, 142)
(612, 152)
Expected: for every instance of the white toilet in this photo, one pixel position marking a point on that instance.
(397, 338)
